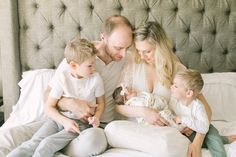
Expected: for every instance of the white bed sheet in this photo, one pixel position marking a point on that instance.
(11, 138)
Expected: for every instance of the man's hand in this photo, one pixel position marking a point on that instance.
(83, 109)
(79, 108)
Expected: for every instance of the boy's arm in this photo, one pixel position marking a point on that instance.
(198, 121)
(52, 112)
(101, 106)
(95, 120)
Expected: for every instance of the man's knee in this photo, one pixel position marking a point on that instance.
(90, 142)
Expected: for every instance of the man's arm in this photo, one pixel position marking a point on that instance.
(79, 108)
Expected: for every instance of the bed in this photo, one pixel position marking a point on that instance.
(33, 35)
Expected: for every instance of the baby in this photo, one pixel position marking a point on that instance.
(125, 96)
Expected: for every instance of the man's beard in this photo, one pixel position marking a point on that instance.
(108, 52)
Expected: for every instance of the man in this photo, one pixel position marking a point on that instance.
(116, 38)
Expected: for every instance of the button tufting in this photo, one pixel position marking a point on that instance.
(214, 32)
(210, 70)
(120, 8)
(225, 52)
(174, 49)
(202, 11)
(25, 27)
(63, 7)
(91, 7)
(176, 9)
(35, 5)
(79, 28)
(199, 51)
(148, 9)
(227, 12)
(26, 67)
(51, 26)
(188, 30)
(37, 47)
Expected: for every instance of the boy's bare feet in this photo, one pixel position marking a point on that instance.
(232, 138)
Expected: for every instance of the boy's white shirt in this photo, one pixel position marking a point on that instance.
(193, 116)
(110, 75)
(84, 89)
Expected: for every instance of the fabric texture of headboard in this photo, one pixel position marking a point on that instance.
(34, 33)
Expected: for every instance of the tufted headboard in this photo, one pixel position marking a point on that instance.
(34, 33)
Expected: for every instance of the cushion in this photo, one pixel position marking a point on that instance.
(220, 91)
(151, 139)
(29, 107)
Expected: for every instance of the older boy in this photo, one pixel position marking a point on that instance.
(79, 82)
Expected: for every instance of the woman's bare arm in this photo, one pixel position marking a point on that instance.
(151, 116)
(206, 105)
(194, 149)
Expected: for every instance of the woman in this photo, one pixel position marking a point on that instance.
(152, 70)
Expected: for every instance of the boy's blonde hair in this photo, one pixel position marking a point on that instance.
(192, 80)
(79, 50)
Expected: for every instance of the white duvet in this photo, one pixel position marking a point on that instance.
(219, 90)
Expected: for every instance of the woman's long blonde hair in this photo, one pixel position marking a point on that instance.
(165, 59)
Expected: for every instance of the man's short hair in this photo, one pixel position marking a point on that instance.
(115, 21)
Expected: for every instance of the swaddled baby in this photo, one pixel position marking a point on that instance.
(125, 96)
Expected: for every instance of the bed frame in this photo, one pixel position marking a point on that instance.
(33, 33)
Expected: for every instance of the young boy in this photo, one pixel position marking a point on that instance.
(80, 82)
(124, 96)
(186, 86)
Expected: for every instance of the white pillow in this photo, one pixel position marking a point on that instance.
(29, 107)
(158, 141)
(220, 91)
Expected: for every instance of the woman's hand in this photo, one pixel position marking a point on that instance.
(194, 149)
(152, 116)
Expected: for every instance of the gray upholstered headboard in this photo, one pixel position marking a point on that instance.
(35, 32)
